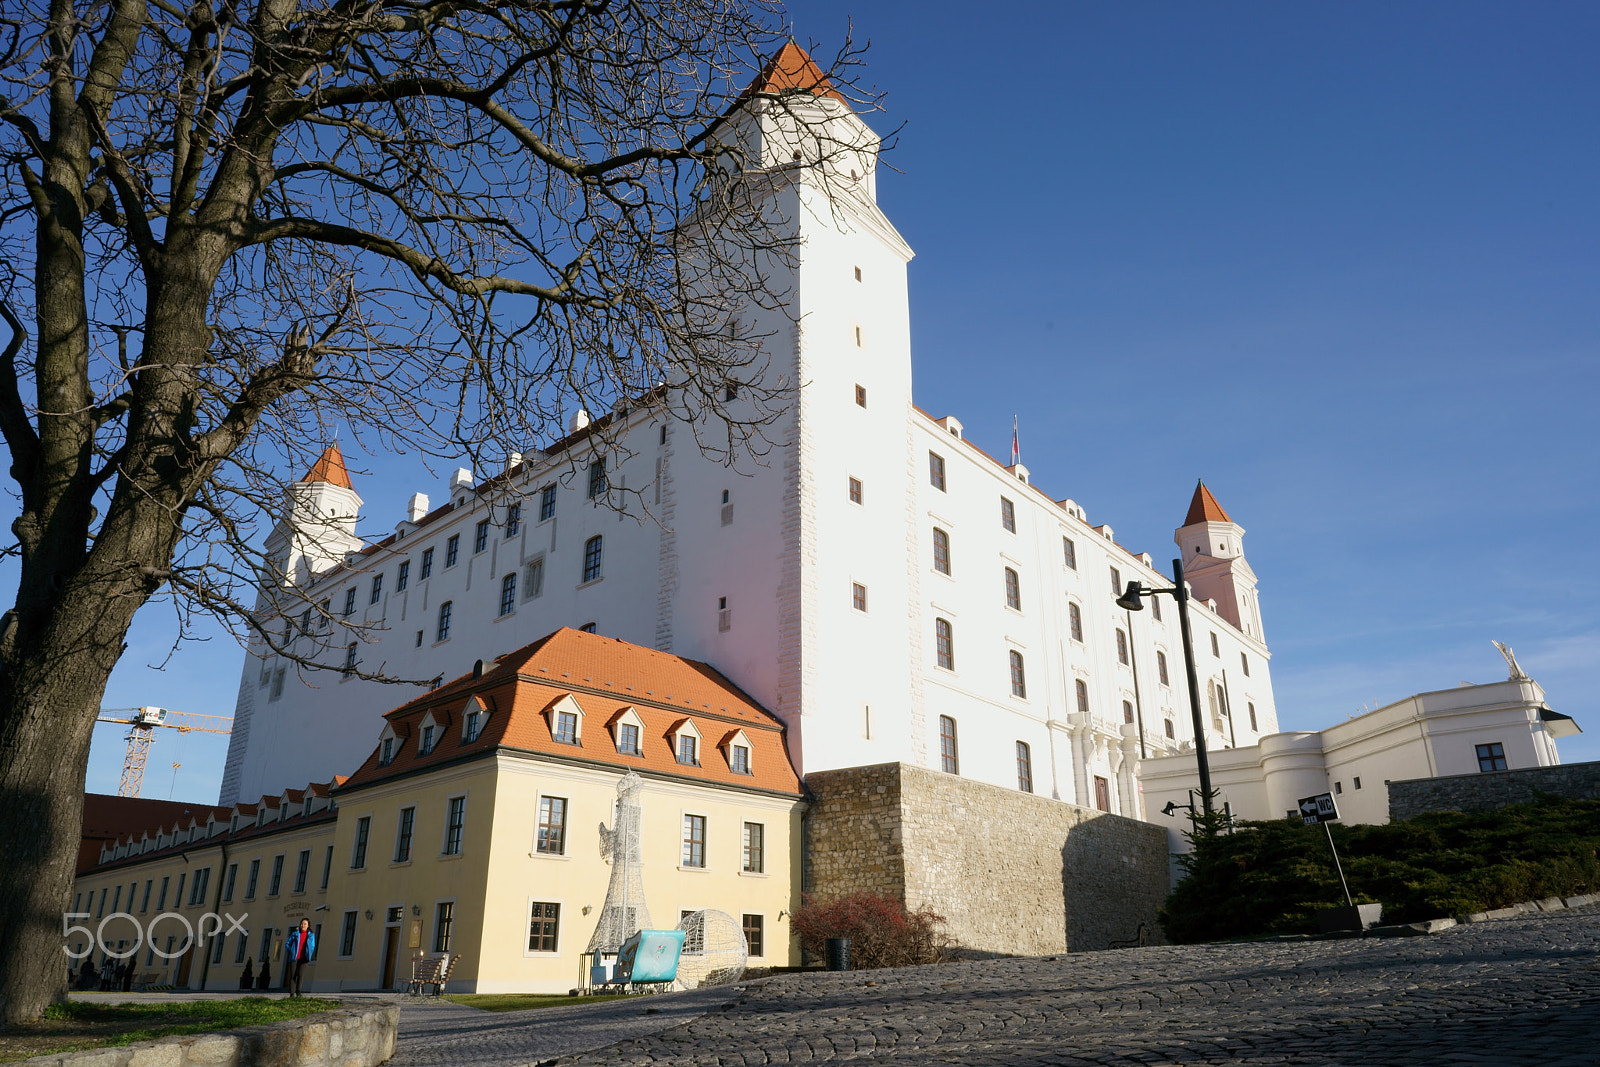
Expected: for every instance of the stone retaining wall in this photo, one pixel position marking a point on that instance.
(362, 1037)
(1492, 789)
(1013, 873)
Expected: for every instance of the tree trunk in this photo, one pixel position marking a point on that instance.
(46, 721)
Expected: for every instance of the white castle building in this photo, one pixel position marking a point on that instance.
(882, 585)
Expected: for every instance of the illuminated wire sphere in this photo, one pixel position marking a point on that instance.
(714, 950)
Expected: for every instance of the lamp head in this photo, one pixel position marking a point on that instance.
(1131, 599)
(1169, 809)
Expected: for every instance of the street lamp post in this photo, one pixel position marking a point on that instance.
(1133, 600)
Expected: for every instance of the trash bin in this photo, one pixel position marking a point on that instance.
(838, 952)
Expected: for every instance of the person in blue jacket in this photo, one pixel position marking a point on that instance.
(301, 946)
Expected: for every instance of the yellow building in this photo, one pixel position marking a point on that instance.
(474, 828)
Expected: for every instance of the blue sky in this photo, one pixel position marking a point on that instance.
(1339, 260)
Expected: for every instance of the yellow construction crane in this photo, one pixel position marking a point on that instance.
(144, 721)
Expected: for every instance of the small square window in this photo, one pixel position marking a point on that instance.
(1492, 757)
(566, 731)
(1356, 782)
(1338, 787)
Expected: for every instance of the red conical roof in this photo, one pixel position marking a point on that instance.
(330, 468)
(792, 69)
(1204, 507)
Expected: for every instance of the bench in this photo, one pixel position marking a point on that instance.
(430, 971)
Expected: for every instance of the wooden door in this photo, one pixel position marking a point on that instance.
(391, 949)
(185, 962)
(1102, 793)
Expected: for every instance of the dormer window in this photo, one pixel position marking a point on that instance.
(427, 740)
(566, 728)
(628, 739)
(688, 750)
(386, 752)
(471, 728)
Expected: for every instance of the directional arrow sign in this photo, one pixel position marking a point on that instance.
(1318, 809)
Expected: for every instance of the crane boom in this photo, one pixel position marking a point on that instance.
(144, 721)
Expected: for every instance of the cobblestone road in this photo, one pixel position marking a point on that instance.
(1519, 991)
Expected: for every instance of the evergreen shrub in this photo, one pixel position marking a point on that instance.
(1273, 877)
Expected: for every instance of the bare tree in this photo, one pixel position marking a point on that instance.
(437, 223)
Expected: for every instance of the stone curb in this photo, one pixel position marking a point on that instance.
(360, 1037)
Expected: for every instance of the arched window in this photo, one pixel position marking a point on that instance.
(1013, 590)
(592, 550)
(1075, 620)
(1019, 680)
(941, 551)
(949, 761)
(944, 644)
(1083, 696)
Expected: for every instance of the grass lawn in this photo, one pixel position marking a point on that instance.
(524, 1001)
(81, 1024)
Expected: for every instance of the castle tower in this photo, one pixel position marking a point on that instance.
(1213, 562)
(319, 525)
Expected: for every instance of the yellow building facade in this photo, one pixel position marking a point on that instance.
(474, 829)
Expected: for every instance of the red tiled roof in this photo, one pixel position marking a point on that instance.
(107, 818)
(791, 70)
(606, 676)
(1204, 508)
(330, 468)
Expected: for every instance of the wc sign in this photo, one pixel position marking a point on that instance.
(1318, 809)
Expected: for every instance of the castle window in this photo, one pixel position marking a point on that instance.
(472, 726)
(752, 848)
(858, 337)
(1102, 793)
(1356, 782)
(628, 739)
(944, 644)
(480, 536)
(1013, 590)
(1083, 696)
(443, 631)
(452, 550)
(949, 759)
(1019, 680)
(403, 832)
(1170, 732)
(1122, 647)
(1116, 582)
(597, 478)
(552, 840)
(858, 269)
(277, 683)
(544, 920)
(426, 570)
(1244, 662)
(1252, 709)
(731, 392)
(444, 917)
(1075, 621)
(508, 593)
(1216, 649)
(455, 823)
(386, 752)
(738, 759)
(1127, 711)
(1024, 767)
(547, 499)
(1155, 607)
(688, 750)
(663, 438)
(426, 746)
(402, 577)
(1069, 552)
(855, 490)
(566, 731)
(592, 550)
(513, 520)
(377, 589)
(1161, 670)
(1338, 787)
(936, 471)
(533, 584)
(858, 596)
(724, 615)
(1008, 515)
(1491, 757)
(861, 396)
(694, 841)
(350, 601)
(941, 551)
(350, 657)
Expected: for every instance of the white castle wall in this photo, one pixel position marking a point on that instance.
(854, 687)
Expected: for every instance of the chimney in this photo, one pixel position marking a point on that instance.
(579, 420)
(461, 479)
(417, 507)
(512, 459)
